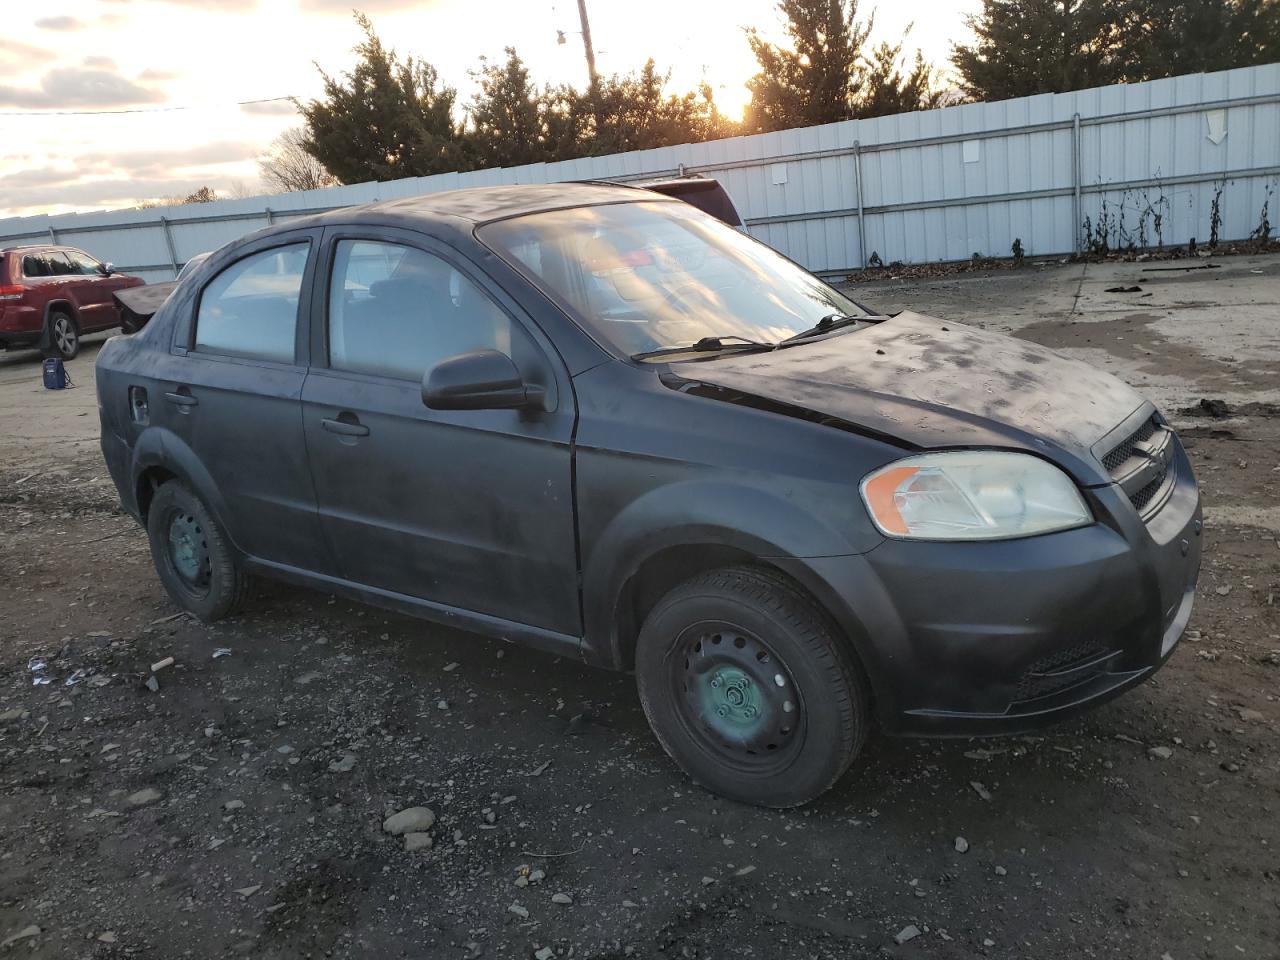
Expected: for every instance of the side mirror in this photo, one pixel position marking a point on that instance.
(106, 269)
(479, 380)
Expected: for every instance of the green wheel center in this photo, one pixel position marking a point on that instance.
(186, 548)
(730, 700)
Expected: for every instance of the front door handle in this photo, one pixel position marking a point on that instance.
(181, 398)
(345, 428)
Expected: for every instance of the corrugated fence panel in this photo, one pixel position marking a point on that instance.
(1159, 162)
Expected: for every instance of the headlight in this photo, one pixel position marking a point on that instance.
(972, 495)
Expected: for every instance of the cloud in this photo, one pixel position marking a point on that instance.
(61, 23)
(112, 192)
(100, 63)
(367, 6)
(156, 163)
(215, 6)
(16, 55)
(158, 76)
(80, 87)
(270, 108)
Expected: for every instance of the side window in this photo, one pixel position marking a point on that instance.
(83, 263)
(250, 309)
(35, 266)
(59, 265)
(396, 311)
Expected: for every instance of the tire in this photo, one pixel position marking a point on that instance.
(748, 687)
(192, 555)
(64, 335)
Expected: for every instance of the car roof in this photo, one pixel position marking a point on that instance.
(485, 204)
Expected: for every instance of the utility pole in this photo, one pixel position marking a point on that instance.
(586, 42)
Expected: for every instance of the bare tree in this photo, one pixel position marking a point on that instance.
(288, 166)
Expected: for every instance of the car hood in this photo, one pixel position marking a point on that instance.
(930, 383)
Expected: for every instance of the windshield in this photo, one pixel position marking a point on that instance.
(655, 275)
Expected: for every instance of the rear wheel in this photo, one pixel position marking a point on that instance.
(749, 689)
(192, 555)
(64, 336)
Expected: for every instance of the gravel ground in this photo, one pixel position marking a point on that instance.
(240, 809)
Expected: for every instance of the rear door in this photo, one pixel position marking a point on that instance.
(91, 291)
(466, 509)
(238, 402)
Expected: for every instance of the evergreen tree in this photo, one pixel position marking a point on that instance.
(507, 116)
(816, 78)
(384, 119)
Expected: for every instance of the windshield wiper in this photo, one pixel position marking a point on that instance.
(728, 341)
(832, 321)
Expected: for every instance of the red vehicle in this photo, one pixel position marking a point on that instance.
(50, 296)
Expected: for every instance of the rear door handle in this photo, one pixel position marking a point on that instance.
(181, 398)
(345, 428)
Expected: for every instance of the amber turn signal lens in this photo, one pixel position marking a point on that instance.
(880, 492)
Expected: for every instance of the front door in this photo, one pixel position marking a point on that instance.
(471, 510)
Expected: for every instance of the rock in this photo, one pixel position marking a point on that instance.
(247, 892)
(442, 704)
(233, 805)
(519, 911)
(450, 667)
(307, 678)
(988, 942)
(1223, 591)
(1250, 716)
(417, 840)
(412, 820)
(980, 790)
(562, 898)
(142, 797)
(631, 904)
(909, 932)
(13, 714)
(1160, 753)
(285, 749)
(546, 953)
(743, 871)
(343, 765)
(26, 933)
(1001, 872)
(708, 881)
(107, 937)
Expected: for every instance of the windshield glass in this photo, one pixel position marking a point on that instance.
(654, 275)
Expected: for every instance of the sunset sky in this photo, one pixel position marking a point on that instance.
(206, 56)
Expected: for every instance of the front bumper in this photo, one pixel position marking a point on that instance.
(970, 639)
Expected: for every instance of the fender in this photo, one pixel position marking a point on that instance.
(693, 514)
(158, 447)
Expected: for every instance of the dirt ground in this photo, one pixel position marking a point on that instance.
(239, 809)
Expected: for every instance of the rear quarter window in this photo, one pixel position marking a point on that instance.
(250, 309)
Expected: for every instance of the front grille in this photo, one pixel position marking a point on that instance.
(1121, 454)
(1148, 493)
(1140, 464)
(1059, 671)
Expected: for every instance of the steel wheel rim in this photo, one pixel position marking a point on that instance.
(187, 552)
(64, 334)
(735, 697)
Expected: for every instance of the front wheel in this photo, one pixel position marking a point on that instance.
(192, 555)
(749, 689)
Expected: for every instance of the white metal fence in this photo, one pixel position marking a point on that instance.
(1142, 164)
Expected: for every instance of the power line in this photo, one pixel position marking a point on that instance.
(95, 113)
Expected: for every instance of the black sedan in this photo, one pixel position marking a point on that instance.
(595, 420)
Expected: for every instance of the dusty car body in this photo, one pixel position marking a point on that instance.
(853, 521)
